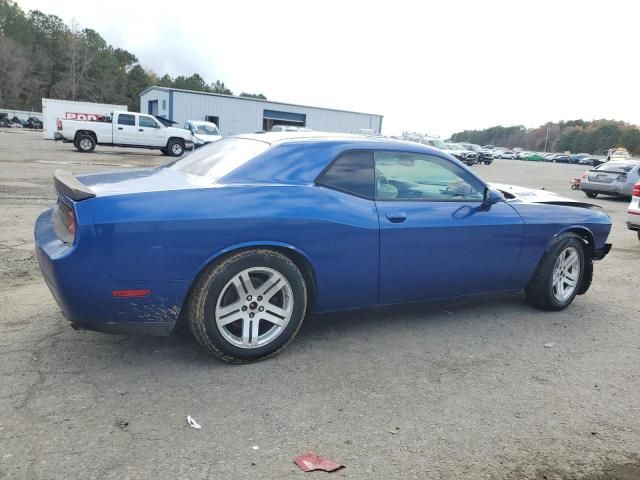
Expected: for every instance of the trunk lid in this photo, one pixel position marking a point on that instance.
(140, 181)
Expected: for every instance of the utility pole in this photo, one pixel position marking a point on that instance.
(546, 140)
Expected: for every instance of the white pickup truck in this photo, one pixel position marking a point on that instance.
(124, 129)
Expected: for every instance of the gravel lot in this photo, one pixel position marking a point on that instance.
(456, 391)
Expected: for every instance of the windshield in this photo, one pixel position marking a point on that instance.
(206, 129)
(218, 159)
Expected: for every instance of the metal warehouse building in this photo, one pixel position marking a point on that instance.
(235, 115)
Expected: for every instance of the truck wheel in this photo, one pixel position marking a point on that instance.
(248, 306)
(175, 148)
(591, 194)
(85, 143)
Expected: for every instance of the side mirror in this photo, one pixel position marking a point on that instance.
(491, 197)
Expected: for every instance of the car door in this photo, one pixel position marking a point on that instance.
(438, 238)
(125, 130)
(150, 132)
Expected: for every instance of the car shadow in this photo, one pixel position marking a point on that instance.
(345, 327)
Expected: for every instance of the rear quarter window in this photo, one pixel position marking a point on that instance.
(351, 173)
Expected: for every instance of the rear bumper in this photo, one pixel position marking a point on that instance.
(605, 188)
(57, 136)
(83, 290)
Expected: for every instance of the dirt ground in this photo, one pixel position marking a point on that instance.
(458, 391)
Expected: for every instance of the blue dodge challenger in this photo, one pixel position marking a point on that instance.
(240, 240)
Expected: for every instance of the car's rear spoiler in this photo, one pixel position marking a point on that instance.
(68, 185)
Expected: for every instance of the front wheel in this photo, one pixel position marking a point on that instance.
(591, 194)
(175, 148)
(248, 306)
(558, 276)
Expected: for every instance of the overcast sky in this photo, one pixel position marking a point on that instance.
(436, 67)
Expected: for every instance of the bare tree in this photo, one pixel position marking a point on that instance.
(14, 70)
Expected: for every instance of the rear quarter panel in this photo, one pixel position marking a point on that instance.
(172, 236)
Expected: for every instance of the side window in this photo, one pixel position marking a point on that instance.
(124, 119)
(147, 122)
(351, 173)
(403, 176)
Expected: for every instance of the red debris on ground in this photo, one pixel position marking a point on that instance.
(310, 462)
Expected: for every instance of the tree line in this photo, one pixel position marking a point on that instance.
(576, 136)
(41, 56)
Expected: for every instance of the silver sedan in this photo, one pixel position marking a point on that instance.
(612, 178)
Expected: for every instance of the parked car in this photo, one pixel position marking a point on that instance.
(593, 161)
(633, 210)
(203, 132)
(618, 153)
(575, 158)
(243, 238)
(561, 158)
(497, 153)
(534, 157)
(612, 178)
(521, 155)
(33, 122)
(466, 156)
(507, 154)
(125, 129)
(484, 155)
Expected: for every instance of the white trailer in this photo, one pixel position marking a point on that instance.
(53, 109)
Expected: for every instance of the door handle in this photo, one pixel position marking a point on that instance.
(396, 217)
(119, 128)
(140, 130)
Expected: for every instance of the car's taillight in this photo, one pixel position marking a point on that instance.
(59, 124)
(71, 222)
(622, 177)
(636, 190)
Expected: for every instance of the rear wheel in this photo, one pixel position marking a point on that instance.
(591, 194)
(85, 143)
(175, 148)
(249, 306)
(558, 276)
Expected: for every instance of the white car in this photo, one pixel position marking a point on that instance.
(507, 154)
(633, 211)
(124, 129)
(203, 132)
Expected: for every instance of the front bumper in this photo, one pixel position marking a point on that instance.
(600, 253)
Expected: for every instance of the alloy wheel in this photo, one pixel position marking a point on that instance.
(566, 273)
(254, 307)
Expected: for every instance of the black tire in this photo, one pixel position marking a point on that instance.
(487, 163)
(175, 148)
(591, 194)
(214, 283)
(85, 143)
(164, 151)
(540, 292)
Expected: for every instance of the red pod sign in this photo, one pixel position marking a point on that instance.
(83, 116)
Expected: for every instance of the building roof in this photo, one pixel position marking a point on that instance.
(249, 99)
